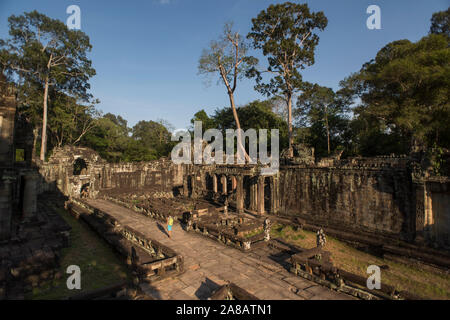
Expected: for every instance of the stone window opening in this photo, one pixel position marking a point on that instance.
(190, 185)
(84, 191)
(209, 182)
(79, 167)
(229, 183)
(267, 194)
(246, 184)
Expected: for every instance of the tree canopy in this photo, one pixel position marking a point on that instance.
(440, 23)
(115, 141)
(228, 58)
(398, 99)
(286, 35)
(256, 115)
(323, 112)
(406, 88)
(45, 54)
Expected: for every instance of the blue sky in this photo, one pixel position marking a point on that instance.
(146, 52)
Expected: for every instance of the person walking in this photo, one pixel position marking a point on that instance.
(169, 226)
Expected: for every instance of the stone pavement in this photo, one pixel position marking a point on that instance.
(209, 264)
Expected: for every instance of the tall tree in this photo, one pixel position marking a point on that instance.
(406, 88)
(254, 115)
(317, 103)
(109, 138)
(278, 106)
(29, 107)
(45, 51)
(323, 112)
(440, 22)
(153, 135)
(207, 122)
(285, 33)
(69, 120)
(121, 123)
(228, 58)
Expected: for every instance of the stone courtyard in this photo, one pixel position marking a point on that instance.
(209, 265)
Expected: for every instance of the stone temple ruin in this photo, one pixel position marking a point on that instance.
(388, 203)
(31, 235)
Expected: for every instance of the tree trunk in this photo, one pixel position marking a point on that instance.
(44, 123)
(238, 126)
(289, 101)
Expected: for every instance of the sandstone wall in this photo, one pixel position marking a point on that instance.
(161, 174)
(375, 200)
(434, 216)
(7, 180)
(377, 196)
(58, 173)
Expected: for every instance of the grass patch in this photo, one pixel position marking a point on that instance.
(100, 267)
(423, 283)
(288, 233)
(254, 233)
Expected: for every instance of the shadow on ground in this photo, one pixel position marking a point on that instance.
(206, 289)
(162, 229)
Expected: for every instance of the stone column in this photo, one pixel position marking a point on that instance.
(253, 194)
(6, 192)
(185, 186)
(214, 177)
(274, 194)
(224, 184)
(193, 186)
(240, 194)
(260, 206)
(108, 177)
(30, 196)
(204, 181)
(420, 212)
(143, 175)
(66, 191)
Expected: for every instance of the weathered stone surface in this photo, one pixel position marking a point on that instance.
(378, 196)
(217, 263)
(59, 172)
(352, 198)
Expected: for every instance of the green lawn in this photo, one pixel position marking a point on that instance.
(423, 283)
(100, 266)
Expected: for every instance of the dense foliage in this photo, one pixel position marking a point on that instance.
(49, 66)
(397, 100)
(256, 115)
(286, 34)
(404, 97)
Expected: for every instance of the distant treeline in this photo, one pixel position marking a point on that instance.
(396, 100)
